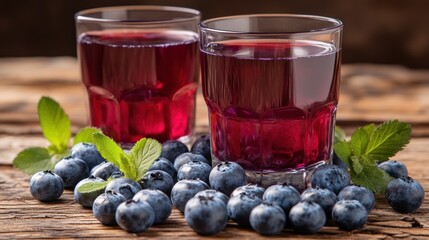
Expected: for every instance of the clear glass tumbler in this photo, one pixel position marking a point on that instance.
(271, 84)
(140, 68)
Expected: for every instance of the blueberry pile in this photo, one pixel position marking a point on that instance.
(211, 197)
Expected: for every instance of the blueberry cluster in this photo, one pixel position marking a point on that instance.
(134, 206)
(210, 197)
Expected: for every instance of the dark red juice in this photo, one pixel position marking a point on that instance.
(272, 103)
(140, 83)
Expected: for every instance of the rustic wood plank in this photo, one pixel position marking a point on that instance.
(22, 217)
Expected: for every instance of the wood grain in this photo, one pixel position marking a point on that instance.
(22, 217)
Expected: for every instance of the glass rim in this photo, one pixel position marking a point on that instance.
(339, 24)
(80, 16)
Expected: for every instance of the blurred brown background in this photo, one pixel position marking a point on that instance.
(381, 31)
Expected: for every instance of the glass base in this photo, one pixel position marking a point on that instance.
(300, 178)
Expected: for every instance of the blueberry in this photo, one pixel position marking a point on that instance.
(307, 217)
(330, 177)
(362, 194)
(213, 193)
(254, 189)
(104, 170)
(46, 186)
(88, 153)
(205, 215)
(202, 146)
(117, 175)
(282, 195)
(227, 176)
(268, 219)
(240, 207)
(71, 170)
(188, 157)
(105, 205)
(325, 198)
(158, 200)
(165, 165)
(349, 214)
(135, 216)
(338, 162)
(194, 169)
(87, 199)
(394, 168)
(405, 195)
(157, 179)
(171, 149)
(184, 190)
(125, 186)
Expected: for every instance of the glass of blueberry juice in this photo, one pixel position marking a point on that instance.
(271, 84)
(140, 68)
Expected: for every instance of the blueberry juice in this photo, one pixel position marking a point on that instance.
(140, 83)
(272, 104)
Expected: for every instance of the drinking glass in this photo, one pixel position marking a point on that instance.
(140, 69)
(271, 85)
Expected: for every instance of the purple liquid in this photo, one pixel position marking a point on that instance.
(141, 83)
(272, 103)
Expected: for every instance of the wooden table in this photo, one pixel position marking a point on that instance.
(369, 93)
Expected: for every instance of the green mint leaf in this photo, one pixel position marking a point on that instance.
(344, 152)
(113, 153)
(92, 187)
(387, 139)
(370, 128)
(34, 159)
(359, 141)
(356, 164)
(55, 123)
(371, 177)
(339, 135)
(143, 154)
(129, 168)
(85, 135)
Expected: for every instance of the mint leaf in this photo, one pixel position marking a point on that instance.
(55, 124)
(371, 177)
(144, 153)
(113, 153)
(356, 164)
(34, 159)
(387, 139)
(368, 145)
(339, 134)
(370, 128)
(343, 151)
(359, 141)
(85, 135)
(90, 187)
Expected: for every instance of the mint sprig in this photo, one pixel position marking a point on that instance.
(134, 165)
(55, 124)
(113, 153)
(370, 145)
(56, 128)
